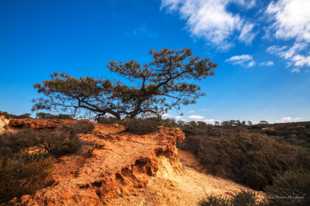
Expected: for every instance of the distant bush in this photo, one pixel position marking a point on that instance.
(9, 115)
(246, 157)
(296, 133)
(44, 115)
(107, 120)
(291, 188)
(141, 126)
(81, 126)
(243, 198)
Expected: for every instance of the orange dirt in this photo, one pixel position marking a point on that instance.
(116, 168)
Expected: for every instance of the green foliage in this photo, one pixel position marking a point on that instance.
(167, 82)
(291, 188)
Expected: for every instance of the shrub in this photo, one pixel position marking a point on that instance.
(26, 158)
(141, 126)
(21, 175)
(292, 188)
(44, 115)
(243, 198)
(107, 120)
(215, 201)
(60, 142)
(81, 126)
(246, 157)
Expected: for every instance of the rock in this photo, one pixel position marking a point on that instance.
(3, 124)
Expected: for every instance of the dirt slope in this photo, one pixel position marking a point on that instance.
(116, 168)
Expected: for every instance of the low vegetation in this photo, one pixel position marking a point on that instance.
(253, 158)
(27, 155)
(139, 126)
(243, 198)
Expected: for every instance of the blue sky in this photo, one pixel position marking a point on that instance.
(261, 48)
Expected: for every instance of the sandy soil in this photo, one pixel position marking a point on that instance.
(182, 185)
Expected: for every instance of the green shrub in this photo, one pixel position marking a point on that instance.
(291, 188)
(141, 126)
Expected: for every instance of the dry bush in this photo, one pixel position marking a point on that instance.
(243, 198)
(60, 142)
(26, 158)
(243, 156)
(81, 126)
(108, 120)
(19, 176)
(291, 188)
(141, 126)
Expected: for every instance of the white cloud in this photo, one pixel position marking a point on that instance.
(247, 35)
(291, 21)
(188, 118)
(292, 54)
(243, 60)
(290, 119)
(210, 19)
(196, 117)
(267, 63)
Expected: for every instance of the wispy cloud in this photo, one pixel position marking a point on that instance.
(245, 60)
(291, 19)
(247, 34)
(293, 54)
(291, 22)
(211, 20)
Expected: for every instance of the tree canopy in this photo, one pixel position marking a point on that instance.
(167, 82)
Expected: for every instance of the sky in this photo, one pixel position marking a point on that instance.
(261, 49)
